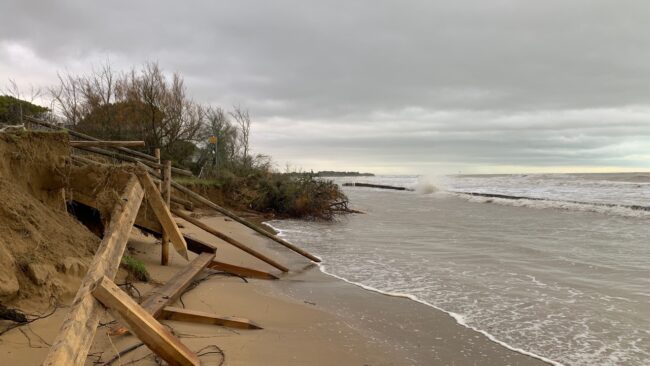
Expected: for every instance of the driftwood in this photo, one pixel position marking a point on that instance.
(229, 240)
(105, 143)
(197, 197)
(78, 330)
(143, 325)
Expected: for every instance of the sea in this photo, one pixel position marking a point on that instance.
(552, 265)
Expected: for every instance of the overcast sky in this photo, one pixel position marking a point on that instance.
(426, 87)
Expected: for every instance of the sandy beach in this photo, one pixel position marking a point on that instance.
(308, 318)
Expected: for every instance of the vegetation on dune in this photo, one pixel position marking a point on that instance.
(135, 268)
(12, 109)
(147, 104)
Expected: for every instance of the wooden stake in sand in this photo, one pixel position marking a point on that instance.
(161, 211)
(222, 210)
(229, 240)
(78, 330)
(143, 325)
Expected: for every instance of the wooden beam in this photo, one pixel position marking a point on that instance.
(173, 288)
(185, 315)
(106, 143)
(162, 213)
(78, 329)
(166, 193)
(241, 271)
(118, 156)
(185, 203)
(197, 197)
(229, 240)
(144, 325)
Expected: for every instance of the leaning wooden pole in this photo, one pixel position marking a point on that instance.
(166, 192)
(73, 341)
(226, 212)
(229, 240)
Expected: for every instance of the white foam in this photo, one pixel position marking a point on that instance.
(460, 319)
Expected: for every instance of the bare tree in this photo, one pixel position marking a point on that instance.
(67, 98)
(243, 120)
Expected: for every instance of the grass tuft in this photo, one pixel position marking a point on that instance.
(135, 268)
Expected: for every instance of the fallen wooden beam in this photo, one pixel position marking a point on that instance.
(241, 271)
(73, 341)
(105, 143)
(143, 325)
(161, 211)
(88, 137)
(173, 288)
(229, 240)
(185, 315)
(226, 212)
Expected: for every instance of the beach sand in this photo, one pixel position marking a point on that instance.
(308, 318)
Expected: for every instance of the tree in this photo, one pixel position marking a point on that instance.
(243, 120)
(13, 109)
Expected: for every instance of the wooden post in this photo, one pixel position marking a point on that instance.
(143, 325)
(229, 240)
(73, 341)
(167, 178)
(222, 210)
(161, 211)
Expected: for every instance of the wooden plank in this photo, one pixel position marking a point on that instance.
(195, 245)
(78, 329)
(118, 156)
(229, 240)
(250, 225)
(162, 213)
(173, 288)
(105, 143)
(185, 315)
(144, 325)
(241, 271)
(166, 192)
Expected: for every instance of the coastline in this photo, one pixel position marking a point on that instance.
(308, 317)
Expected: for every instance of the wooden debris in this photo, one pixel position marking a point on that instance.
(166, 192)
(226, 212)
(161, 211)
(173, 313)
(241, 271)
(78, 330)
(143, 325)
(229, 240)
(105, 143)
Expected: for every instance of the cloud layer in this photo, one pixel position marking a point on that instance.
(405, 87)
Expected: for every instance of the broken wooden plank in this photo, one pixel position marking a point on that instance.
(78, 329)
(241, 271)
(173, 288)
(143, 325)
(248, 224)
(229, 240)
(162, 213)
(105, 143)
(185, 315)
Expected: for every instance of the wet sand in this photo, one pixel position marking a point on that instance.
(309, 318)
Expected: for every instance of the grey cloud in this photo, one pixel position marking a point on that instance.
(498, 82)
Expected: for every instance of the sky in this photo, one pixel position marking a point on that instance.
(390, 87)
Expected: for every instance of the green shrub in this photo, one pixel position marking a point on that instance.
(135, 268)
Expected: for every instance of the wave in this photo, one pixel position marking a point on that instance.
(459, 318)
(536, 202)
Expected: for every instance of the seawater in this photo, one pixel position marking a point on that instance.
(564, 275)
